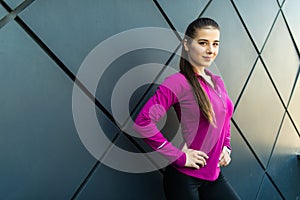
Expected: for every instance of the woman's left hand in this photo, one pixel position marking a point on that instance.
(225, 158)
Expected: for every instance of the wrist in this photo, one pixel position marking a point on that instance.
(227, 149)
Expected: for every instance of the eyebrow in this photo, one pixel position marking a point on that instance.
(207, 40)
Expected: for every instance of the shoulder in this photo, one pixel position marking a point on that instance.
(177, 83)
(175, 80)
(176, 77)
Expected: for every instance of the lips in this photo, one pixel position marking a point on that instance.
(207, 58)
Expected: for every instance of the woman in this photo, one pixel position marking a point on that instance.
(204, 110)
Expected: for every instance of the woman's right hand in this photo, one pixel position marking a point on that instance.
(194, 158)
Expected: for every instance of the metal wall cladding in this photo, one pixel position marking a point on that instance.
(43, 44)
(3, 12)
(290, 9)
(39, 144)
(294, 106)
(14, 3)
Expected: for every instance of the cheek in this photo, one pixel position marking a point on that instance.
(217, 51)
(193, 55)
(197, 50)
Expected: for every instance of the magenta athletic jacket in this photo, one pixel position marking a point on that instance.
(196, 131)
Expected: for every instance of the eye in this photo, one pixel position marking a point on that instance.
(216, 44)
(202, 43)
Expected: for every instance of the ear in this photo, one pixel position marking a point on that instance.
(185, 45)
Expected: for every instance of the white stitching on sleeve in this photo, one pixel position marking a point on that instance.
(161, 146)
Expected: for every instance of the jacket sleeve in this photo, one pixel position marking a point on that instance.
(227, 137)
(145, 124)
(230, 108)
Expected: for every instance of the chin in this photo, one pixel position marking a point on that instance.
(207, 65)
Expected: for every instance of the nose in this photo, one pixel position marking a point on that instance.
(209, 49)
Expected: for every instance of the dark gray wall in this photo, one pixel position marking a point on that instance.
(42, 46)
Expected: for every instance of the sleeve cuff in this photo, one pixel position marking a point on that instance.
(180, 162)
(228, 149)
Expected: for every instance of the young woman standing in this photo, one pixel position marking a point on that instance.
(204, 110)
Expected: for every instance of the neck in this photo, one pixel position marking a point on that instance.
(199, 70)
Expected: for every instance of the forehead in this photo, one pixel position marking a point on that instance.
(211, 34)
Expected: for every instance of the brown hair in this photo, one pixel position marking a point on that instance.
(187, 69)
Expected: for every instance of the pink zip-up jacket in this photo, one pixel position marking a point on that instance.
(196, 131)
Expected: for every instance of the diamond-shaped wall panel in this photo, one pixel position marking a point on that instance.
(78, 26)
(281, 59)
(268, 191)
(68, 40)
(243, 158)
(39, 144)
(180, 23)
(2, 12)
(13, 3)
(291, 11)
(294, 106)
(284, 166)
(103, 183)
(259, 18)
(126, 74)
(261, 106)
(236, 55)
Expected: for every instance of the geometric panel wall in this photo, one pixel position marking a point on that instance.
(43, 45)
(275, 56)
(290, 9)
(266, 113)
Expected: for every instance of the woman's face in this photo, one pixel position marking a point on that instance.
(204, 48)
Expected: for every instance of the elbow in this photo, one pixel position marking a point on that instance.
(138, 124)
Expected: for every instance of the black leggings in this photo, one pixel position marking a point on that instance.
(179, 186)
